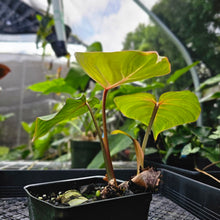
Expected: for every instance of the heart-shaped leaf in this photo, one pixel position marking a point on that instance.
(111, 69)
(174, 108)
(72, 108)
(189, 150)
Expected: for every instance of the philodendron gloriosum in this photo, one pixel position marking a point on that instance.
(112, 69)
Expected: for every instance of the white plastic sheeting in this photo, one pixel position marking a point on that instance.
(15, 98)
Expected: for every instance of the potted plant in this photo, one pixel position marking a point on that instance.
(111, 70)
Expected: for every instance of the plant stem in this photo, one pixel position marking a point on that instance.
(98, 132)
(212, 164)
(202, 171)
(96, 124)
(104, 146)
(108, 164)
(147, 133)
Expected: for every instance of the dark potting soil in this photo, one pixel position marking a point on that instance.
(86, 194)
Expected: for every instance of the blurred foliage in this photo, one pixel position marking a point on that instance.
(46, 23)
(196, 24)
(49, 147)
(187, 140)
(6, 116)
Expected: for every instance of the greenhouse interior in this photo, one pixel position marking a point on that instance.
(110, 109)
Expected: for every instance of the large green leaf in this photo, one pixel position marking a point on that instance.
(72, 108)
(111, 69)
(175, 108)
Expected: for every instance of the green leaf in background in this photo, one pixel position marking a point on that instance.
(96, 46)
(52, 86)
(211, 96)
(150, 150)
(26, 126)
(167, 154)
(175, 108)
(212, 153)
(216, 134)
(72, 108)
(201, 132)
(180, 72)
(76, 77)
(210, 81)
(29, 128)
(4, 150)
(4, 117)
(187, 149)
(111, 69)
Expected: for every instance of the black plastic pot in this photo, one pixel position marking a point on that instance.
(200, 199)
(82, 152)
(59, 47)
(126, 207)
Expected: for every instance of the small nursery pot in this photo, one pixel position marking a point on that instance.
(59, 47)
(125, 207)
(82, 152)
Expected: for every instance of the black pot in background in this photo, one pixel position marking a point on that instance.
(126, 207)
(59, 47)
(82, 152)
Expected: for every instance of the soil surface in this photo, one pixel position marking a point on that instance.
(84, 194)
